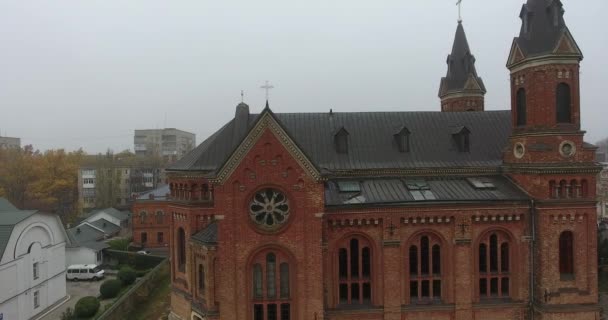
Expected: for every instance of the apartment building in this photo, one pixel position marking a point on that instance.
(170, 143)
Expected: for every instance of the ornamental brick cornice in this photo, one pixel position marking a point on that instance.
(267, 122)
(550, 168)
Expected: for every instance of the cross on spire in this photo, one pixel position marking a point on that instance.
(459, 4)
(267, 86)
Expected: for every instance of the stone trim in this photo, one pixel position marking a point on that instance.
(428, 307)
(266, 122)
(544, 60)
(391, 243)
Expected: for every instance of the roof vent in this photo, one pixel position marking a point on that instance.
(402, 138)
(461, 138)
(341, 140)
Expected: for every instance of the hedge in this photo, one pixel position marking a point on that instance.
(110, 288)
(138, 261)
(86, 307)
(127, 275)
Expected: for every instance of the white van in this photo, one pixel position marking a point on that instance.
(84, 272)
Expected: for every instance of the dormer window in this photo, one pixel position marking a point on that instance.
(461, 139)
(341, 140)
(402, 138)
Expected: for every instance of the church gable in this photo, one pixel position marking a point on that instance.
(515, 55)
(472, 83)
(266, 129)
(567, 45)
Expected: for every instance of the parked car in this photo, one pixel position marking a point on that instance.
(85, 272)
(143, 252)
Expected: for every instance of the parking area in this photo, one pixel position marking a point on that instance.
(76, 290)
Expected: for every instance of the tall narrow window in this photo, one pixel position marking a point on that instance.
(494, 266)
(563, 103)
(160, 217)
(354, 287)
(36, 271)
(566, 254)
(553, 189)
(271, 276)
(201, 278)
(142, 217)
(271, 286)
(181, 250)
(521, 107)
(284, 280)
(257, 281)
(563, 189)
(425, 269)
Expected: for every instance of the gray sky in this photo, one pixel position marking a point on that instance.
(77, 73)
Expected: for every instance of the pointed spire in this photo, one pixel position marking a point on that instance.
(461, 76)
(542, 27)
(267, 106)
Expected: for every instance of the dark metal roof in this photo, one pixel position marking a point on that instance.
(378, 191)
(207, 235)
(544, 27)
(108, 227)
(371, 143)
(461, 66)
(84, 233)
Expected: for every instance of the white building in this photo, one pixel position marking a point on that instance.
(32, 262)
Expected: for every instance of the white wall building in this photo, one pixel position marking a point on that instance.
(32, 262)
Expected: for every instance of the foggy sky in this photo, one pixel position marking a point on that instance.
(76, 73)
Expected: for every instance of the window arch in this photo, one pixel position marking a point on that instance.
(201, 279)
(424, 266)
(521, 107)
(354, 272)
(181, 250)
(566, 254)
(584, 188)
(563, 103)
(494, 265)
(271, 286)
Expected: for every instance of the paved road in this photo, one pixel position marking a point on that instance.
(76, 290)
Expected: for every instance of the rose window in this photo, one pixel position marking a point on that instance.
(269, 209)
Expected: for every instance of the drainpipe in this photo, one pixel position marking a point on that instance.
(532, 243)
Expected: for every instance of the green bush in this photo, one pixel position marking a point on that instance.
(110, 288)
(141, 273)
(127, 275)
(86, 307)
(119, 244)
(68, 315)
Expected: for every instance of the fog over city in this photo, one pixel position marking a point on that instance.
(85, 74)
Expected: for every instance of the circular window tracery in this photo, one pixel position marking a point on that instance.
(269, 209)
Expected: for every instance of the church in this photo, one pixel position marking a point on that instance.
(457, 214)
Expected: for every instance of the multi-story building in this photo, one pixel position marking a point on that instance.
(170, 143)
(151, 220)
(400, 215)
(32, 262)
(602, 188)
(106, 181)
(10, 143)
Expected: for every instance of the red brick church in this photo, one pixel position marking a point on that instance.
(460, 214)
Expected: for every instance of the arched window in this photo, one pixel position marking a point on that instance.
(271, 292)
(575, 189)
(566, 254)
(563, 189)
(563, 103)
(354, 271)
(425, 269)
(521, 107)
(201, 279)
(160, 217)
(494, 265)
(584, 188)
(181, 250)
(553, 192)
(142, 217)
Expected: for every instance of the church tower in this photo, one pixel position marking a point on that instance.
(548, 157)
(461, 89)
